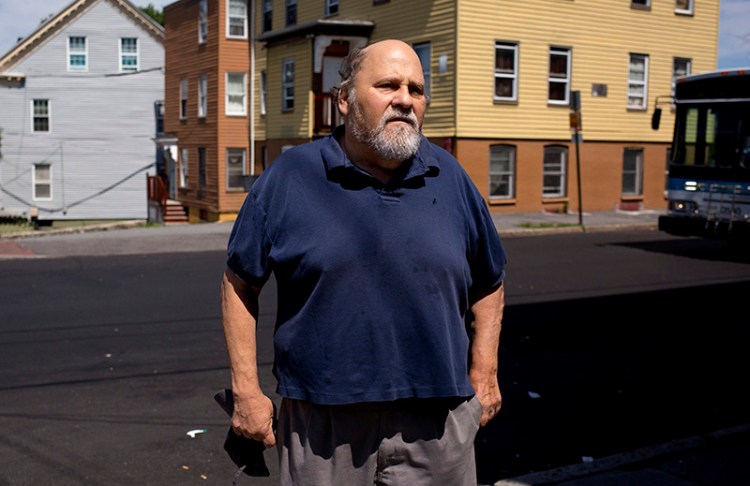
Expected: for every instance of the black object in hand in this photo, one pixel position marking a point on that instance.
(245, 453)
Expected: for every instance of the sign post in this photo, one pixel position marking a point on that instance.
(575, 126)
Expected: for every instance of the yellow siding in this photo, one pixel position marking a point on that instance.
(260, 65)
(414, 22)
(601, 34)
(297, 123)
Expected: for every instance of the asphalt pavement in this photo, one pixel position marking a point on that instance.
(721, 457)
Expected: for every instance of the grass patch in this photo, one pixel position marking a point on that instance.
(548, 225)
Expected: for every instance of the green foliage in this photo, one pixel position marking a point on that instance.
(154, 13)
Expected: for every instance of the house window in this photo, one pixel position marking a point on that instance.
(202, 21)
(201, 168)
(236, 94)
(332, 7)
(183, 175)
(637, 78)
(683, 7)
(202, 96)
(77, 54)
(183, 98)
(502, 172)
(128, 54)
(263, 92)
(291, 12)
(640, 4)
(559, 76)
(680, 67)
(287, 85)
(554, 171)
(237, 19)
(506, 71)
(632, 172)
(267, 15)
(42, 182)
(159, 117)
(235, 168)
(424, 53)
(40, 111)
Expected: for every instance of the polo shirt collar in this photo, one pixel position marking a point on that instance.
(336, 161)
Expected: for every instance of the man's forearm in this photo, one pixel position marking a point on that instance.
(239, 306)
(488, 316)
(253, 411)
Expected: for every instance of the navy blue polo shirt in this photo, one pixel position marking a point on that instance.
(374, 281)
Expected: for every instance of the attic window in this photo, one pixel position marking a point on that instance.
(77, 54)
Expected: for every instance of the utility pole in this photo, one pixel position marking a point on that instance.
(575, 126)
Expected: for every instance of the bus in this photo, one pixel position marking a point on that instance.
(708, 171)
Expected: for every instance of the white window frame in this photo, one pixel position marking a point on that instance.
(506, 175)
(77, 52)
(129, 55)
(202, 21)
(184, 168)
(640, 4)
(685, 11)
(512, 75)
(36, 181)
(558, 172)
(47, 115)
(332, 7)
(287, 85)
(230, 92)
(557, 78)
(635, 174)
(183, 98)
(634, 84)
(202, 96)
(230, 152)
(424, 53)
(263, 92)
(242, 18)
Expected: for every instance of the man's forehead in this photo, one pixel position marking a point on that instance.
(381, 60)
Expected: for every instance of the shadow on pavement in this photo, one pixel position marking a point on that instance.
(599, 376)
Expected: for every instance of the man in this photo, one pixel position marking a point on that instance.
(381, 246)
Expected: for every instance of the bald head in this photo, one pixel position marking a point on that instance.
(353, 62)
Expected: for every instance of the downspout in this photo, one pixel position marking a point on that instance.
(252, 88)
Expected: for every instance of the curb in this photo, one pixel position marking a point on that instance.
(75, 230)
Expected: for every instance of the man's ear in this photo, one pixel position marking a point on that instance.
(342, 100)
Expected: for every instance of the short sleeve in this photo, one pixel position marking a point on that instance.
(249, 244)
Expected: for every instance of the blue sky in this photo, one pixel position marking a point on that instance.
(19, 18)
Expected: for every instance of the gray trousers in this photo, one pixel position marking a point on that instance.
(410, 442)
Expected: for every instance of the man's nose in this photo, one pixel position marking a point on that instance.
(402, 97)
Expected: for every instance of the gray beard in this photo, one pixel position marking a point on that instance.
(393, 144)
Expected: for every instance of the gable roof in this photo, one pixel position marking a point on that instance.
(70, 13)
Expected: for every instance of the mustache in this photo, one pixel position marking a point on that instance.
(405, 116)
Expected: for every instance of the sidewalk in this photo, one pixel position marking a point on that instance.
(535, 223)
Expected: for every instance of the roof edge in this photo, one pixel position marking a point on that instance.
(48, 29)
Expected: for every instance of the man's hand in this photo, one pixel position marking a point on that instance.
(253, 418)
(488, 393)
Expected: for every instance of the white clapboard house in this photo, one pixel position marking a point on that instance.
(79, 102)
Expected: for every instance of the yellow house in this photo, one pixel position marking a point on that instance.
(501, 76)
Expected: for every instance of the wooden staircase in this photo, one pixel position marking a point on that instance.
(174, 213)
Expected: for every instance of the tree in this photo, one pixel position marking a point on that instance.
(154, 13)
